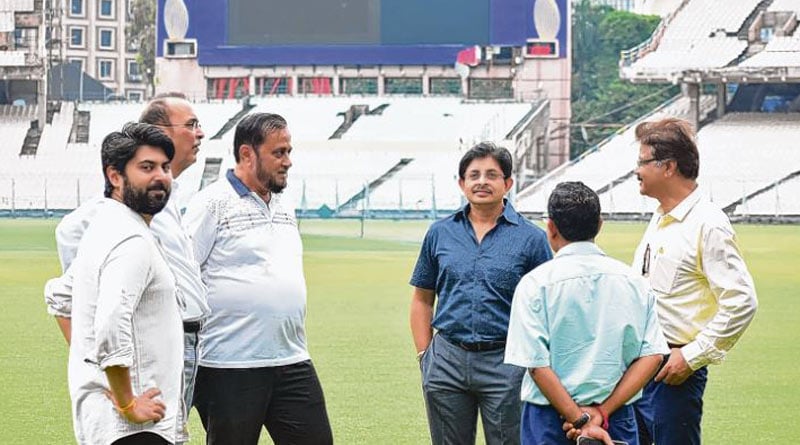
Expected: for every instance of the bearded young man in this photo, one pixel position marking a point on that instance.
(126, 352)
(255, 369)
(172, 114)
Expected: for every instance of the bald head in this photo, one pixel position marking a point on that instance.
(174, 115)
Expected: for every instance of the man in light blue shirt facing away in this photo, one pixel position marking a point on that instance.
(586, 328)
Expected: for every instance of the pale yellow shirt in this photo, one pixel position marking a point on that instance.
(704, 293)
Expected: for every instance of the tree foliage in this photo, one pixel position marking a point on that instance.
(140, 32)
(601, 101)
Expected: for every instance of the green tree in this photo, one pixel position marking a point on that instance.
(140, 32)
(601, 101)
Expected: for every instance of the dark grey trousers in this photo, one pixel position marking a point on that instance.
(457, 384)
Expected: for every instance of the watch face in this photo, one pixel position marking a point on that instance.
(582, 420)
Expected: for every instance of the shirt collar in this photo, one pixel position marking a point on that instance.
(237, 184)
(682, 209)
(509, 214)
(580, 248)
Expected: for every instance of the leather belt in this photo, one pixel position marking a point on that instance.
(191, 327)
(478, 346)
(481, 345)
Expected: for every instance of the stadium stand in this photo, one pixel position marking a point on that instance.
(446, 119)
(312, 118)
(609, 162)
(780, 51)
(55, 135)
(784, 5)
(747, 52)
(15, 120)
(395, 151)
(396, 155)
(700, 35)
(428, 182)
(737, 160)
(781, 199)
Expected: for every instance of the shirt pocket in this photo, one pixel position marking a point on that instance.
(662, 275)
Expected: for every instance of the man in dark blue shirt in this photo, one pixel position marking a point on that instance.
(472, 261)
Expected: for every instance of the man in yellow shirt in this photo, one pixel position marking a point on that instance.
(704, 293)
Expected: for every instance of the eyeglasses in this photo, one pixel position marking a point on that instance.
(191, 125)
(491, 175)
(643, 162)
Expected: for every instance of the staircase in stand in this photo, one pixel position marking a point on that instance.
(374, 184)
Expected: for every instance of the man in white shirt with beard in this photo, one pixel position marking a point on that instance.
(125, 358)
(255, 370)
(173, 114)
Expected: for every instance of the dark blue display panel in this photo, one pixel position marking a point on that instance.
(434, 22)
(356, 32)
(354, 22)
(303, 22)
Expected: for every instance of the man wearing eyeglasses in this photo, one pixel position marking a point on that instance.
(472, 261)
(704, 293)
(173, 114)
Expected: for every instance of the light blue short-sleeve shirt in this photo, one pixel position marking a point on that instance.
(587, 317)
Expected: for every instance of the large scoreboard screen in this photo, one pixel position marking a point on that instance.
(358, 22)
(365, 32)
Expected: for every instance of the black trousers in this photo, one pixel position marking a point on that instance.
(234, 403)
(142, 439)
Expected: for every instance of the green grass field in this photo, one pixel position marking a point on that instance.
(360, 341)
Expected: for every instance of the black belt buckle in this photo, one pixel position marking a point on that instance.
(481, 346)
(191, 327)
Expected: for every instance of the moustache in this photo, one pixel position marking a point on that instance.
(158, 187)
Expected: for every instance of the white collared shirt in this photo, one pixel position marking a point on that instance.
(705, 294)
(124, 314)
(251, 259)
(166, 226)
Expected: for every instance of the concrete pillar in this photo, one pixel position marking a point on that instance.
(41, 100)
(693, 91)
(722, 99)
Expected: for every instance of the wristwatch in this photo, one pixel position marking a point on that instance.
(582, 420)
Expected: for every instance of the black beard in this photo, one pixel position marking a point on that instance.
(140, 201)
(269, 181)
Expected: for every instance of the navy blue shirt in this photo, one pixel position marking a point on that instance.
(475, 282)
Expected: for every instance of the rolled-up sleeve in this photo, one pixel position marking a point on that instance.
(733, 287)
(58, 295)
(123, 277)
